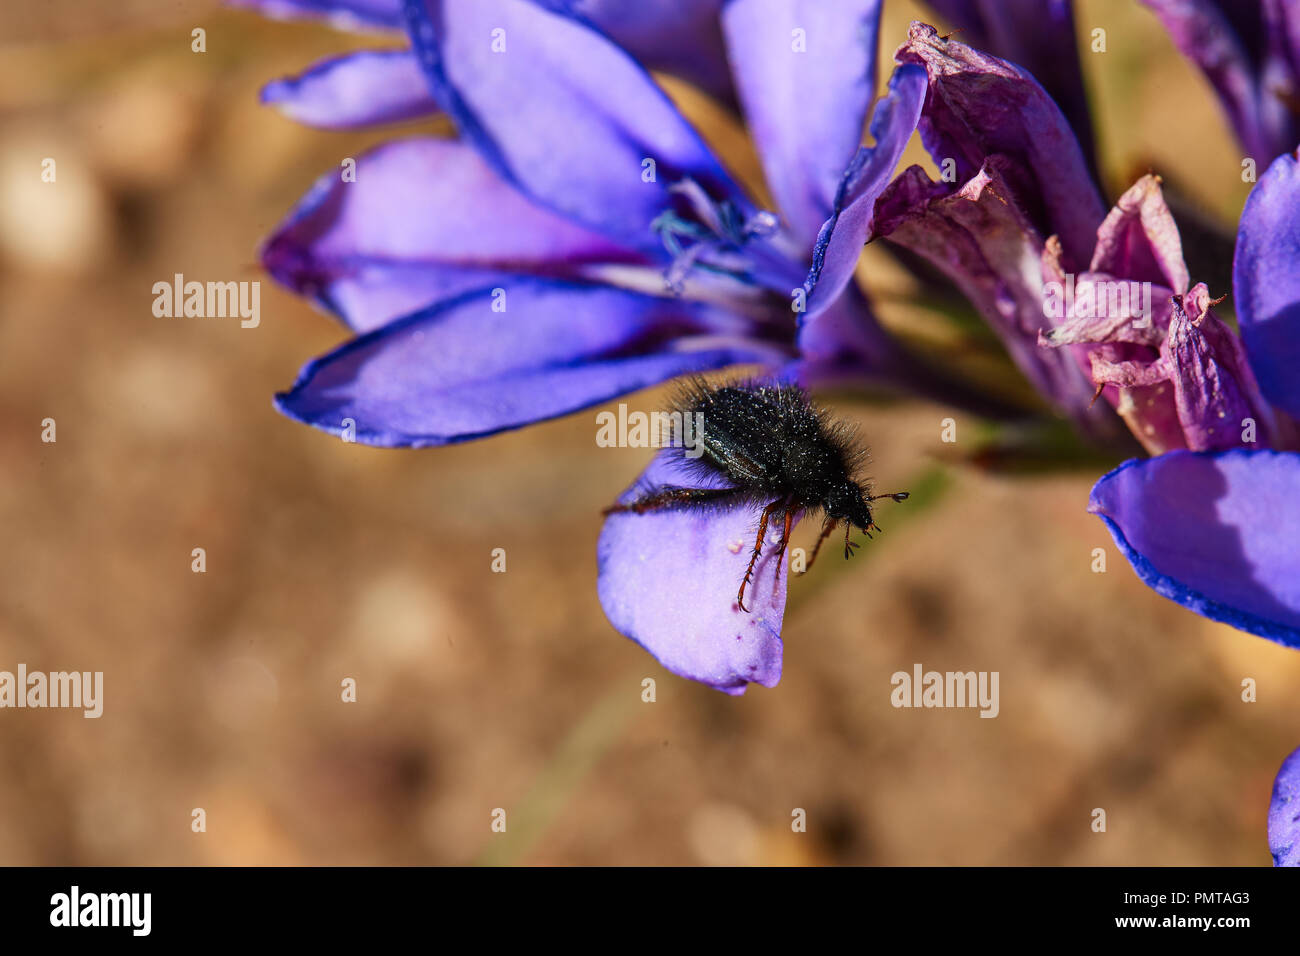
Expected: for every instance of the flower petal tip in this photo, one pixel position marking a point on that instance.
(1213, 532)
(1284, 813)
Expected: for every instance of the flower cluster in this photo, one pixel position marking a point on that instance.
(579, 241)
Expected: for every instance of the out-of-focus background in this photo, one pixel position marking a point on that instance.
(478, 690)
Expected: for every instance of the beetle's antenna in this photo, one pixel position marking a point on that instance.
(895, 496)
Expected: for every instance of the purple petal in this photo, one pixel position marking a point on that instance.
(1145, 397)
(842, 236)
(426, 219)
(1214, 389)
(668, 580)
(1093, 320)
(979, 106)
(1121, 352)
(1200, 30)
(1284, 813)
(1266, 282)
(344, 14)
(683, 37)
(1278, 34)
(1137, 242)
(1139, 239)
(806, 71)
(358, 89)
(1037, 35)
(1228, 40)
(1128, 373)
(1215, 532)
(462, 369)
(1281, 22)
(562, 112)
(981, 240)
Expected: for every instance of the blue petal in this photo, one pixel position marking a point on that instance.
(344, 14)
(677, 36)
(1215, 532)
(840, 243)
(485, 363)
(358, 89)
(562, 112)
(668, 580)
(1284, 813)
(806, 71)
(425, 219)
(1266, 282)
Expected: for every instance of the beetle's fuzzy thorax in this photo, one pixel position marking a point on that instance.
(769, 441)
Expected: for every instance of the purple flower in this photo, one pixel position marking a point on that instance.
(1213, 520)
(1284, 814)
(1036, 35)
(1131, 318)
(1012, 175)
(1215, 524)
(1019, 227)
(580, 241)
(519, 274)
(682, 37)
(1249, 50)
